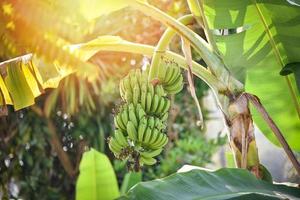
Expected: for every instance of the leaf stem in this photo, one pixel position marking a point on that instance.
(256, 102)
(162, 46)
(129, 47)
(212, 59)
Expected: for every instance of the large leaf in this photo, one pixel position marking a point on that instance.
(260, 38)
(21, 81)
(221, 184)
(97, 179)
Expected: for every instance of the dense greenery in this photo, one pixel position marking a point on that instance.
(58, 147)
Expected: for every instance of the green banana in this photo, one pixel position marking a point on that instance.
(136, 94)
(128, 96)
(144, 97)
(131, 131)
(147, 136)
(149, 101)
(161, 105)
(127, 85)
(155, 145)
(132, 117)
(115, 145)
(165, 117)
(169, 74)
(119, 123)
(120, 138)
(147, 161)
(166, 107)
(115, 151)
(176, 87)
(154, 136)
(124, 116)
(140, 112)
(154, 104)
(175, 75)
(141, 131)
(151, 122)
(151, 89)
(151, 154)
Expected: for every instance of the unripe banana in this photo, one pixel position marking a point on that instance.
(115, 151)
(165, 117)
(127, 85)
(151, 122)
(155, 134)
(131, 131)
(161, 105)
(149, 101)
(120, 138)
(124, 116)
(154, 104)
(136, 94)
(144, 97)
(140, 112)
(159, 140)
(147, 161)
(169, 74)
(175, 75)
(179, 78)
(166, 107)
(122, 89)
(151, 154)
(141, 130)
(128, 96)
(147, 135)
(175, 88)
(151, 89)
(119, 123)
(115, 145)
(132, 117)
(138, 75)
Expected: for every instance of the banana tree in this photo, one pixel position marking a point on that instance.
(229, 89)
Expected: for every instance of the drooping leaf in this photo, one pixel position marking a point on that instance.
(22, 81)
(223, 184)
(256, 39)
(97, 179)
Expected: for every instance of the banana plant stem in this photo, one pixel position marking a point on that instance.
(148, 50)
(162, 46)
(212, 59)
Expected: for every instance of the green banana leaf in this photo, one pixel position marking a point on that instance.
(21, 81)
(256, 39)
(222, 184)
(97, 179)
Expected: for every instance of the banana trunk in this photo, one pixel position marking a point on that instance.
(242, 139)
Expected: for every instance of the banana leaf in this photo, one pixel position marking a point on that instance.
(21, 81)
(97, 179)
(222, 184)
(256, 39)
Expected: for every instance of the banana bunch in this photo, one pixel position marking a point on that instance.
(171, 77)
(135, 88)
(141, 121)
